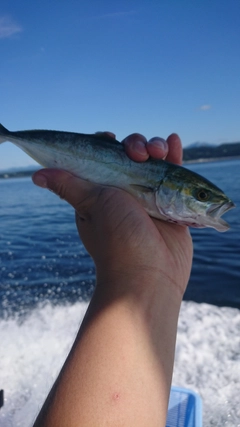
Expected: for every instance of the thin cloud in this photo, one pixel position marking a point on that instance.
(8, 27)
(205, 107)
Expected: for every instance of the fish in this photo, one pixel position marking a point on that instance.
(166, 191)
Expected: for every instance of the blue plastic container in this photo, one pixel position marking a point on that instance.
(184, 409)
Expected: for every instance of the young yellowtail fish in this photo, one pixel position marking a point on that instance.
(168, 192)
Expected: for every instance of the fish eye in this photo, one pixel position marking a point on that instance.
(203, 195)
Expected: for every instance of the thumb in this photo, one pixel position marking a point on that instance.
(77, 192)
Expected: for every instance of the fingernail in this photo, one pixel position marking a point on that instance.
(159, 143)
(139, 147)
(40, 180)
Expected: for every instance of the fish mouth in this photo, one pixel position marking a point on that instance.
(214, 214)
(216, 211)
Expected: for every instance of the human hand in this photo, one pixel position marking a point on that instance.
(116, 231)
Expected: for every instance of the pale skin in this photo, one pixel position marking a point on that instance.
(119, 370)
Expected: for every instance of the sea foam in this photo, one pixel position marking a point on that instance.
(207, 360)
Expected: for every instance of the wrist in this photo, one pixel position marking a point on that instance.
(140, 284)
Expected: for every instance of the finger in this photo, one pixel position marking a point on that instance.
(157, 148)
(175, 151)
(135, 147)
(77, 192)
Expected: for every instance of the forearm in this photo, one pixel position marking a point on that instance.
(119, 370)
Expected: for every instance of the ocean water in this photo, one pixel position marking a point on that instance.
(47, 279)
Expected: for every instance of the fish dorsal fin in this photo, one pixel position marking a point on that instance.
(105, 137)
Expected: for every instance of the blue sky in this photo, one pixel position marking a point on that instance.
(153, 67)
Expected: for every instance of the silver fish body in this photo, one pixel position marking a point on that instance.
(166, 191)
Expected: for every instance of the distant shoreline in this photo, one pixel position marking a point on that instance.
(20, 174)
(29, 173)
(211, 159)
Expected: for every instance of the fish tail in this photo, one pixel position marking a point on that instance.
(3, 134)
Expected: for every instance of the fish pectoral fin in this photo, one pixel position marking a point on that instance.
(141, 188)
